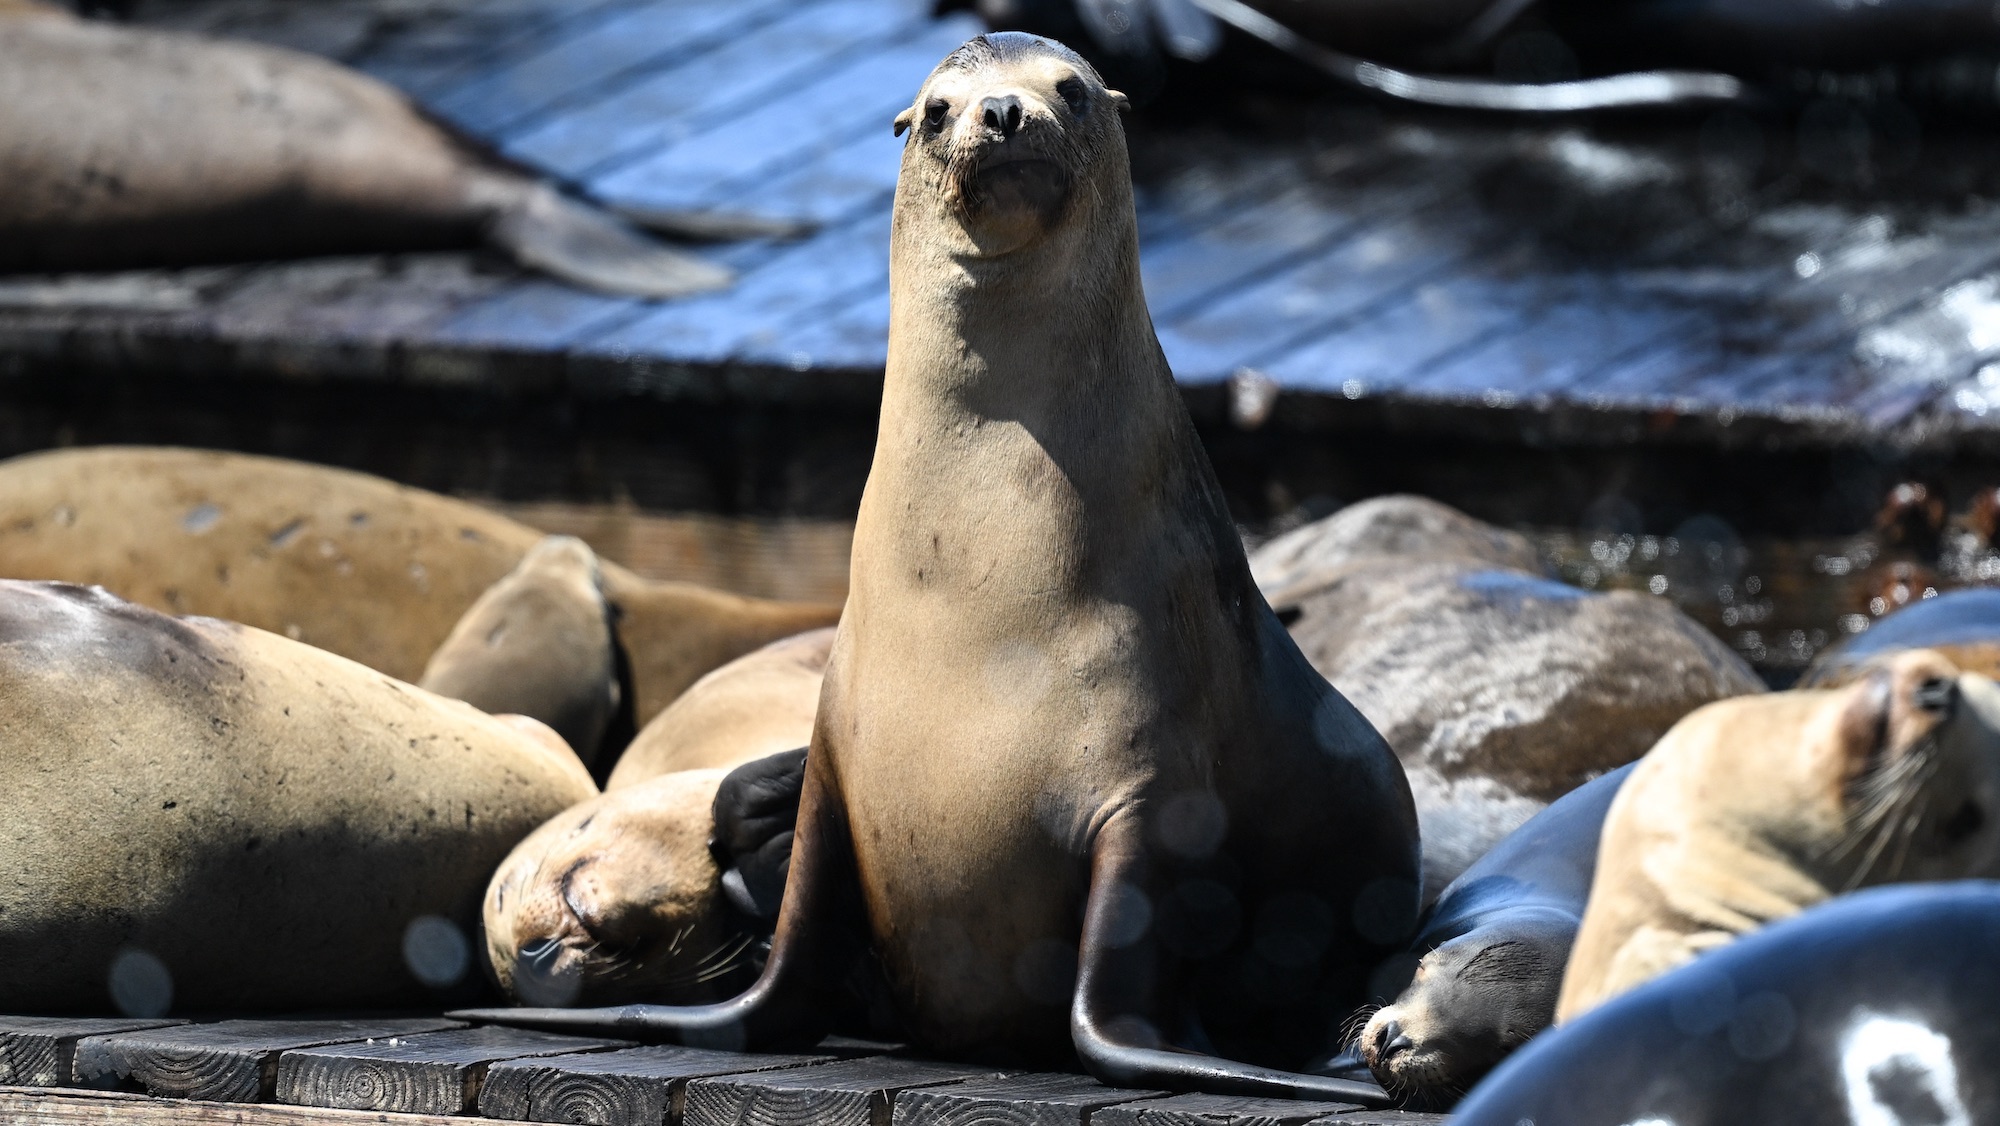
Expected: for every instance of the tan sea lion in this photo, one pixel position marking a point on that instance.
(756, 705)
(1069, 778)
(132, 147)
(372, 570)
(1963, 626)
(1499, 689)
(262, 818)
(1751, 810)
(538, 643)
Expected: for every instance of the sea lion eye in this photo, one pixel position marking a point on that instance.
(934, 111)
(1074, 94)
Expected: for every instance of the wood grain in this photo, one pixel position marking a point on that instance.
(853, 1093)
(231, 1061)
(25, 1106)
(431, 1073)
(1018, 1100)
(38, 1051)
(1218, 1110)
(635, 1087)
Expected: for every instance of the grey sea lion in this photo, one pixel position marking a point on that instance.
(1499, 689)
(372, 570)
(129, 147)
(1751, 810)
(262, 818)
(1069, 777)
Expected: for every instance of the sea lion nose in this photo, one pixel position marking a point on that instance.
(1001, 114)
(1390, 1040)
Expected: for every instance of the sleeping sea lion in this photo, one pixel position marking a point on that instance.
(1754, 809)
(1499, 689)
(1963, 626)
(1492, 953)
(538, 643)
(1069, 779)
(375, 571)
(131, 147)
(263, 818)
(758, 704)
(1875, 1009)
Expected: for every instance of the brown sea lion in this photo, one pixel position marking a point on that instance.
(262, 818)
(1500, 690)
(129, 147)
(756, 705)
(538, 643)
(1069, 778)
(1751, 810)
(372, 570)
(1963, 626)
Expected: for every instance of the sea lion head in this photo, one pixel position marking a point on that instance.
(1473, 1001)
(1006, 139)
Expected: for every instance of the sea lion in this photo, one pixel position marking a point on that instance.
(1499, 689)
(1754, 809)
(372, 570)
(538, 643)
(132, 147)
(1963, 626)
(758, 704)
(1061, 732)
(1876, 1008)
(1492, 953)
(263, 818)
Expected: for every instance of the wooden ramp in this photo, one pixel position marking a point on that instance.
(404, 1071)
(1835, 272)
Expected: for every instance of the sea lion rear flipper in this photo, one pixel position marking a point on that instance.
(581, 244)
(710, 225)
(1119, 999)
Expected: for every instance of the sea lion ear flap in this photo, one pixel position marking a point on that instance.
(903, 119)
(1123, 103)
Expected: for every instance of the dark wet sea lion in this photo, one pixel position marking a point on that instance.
(1498, 689)
(262, 817)
(1492, 953)
(538, 643)
(758, 704)
(375, 571)
(129, 147)
(1061, 731)
(1876, 1008)
(1961, 625)
(1754, 809)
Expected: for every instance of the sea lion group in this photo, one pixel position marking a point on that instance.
(1074, 780)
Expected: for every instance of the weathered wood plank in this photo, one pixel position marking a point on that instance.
(232, 1061)
(535, 314)
(32, 1106)
(434, 56)
(1018, 1100)
(635, 1087)
(38, 1051)
(431, 1073)
(1382, 1118)
(1218, 1110)
(854, 1093)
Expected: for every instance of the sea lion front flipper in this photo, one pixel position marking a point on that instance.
(581, 244)
(1116, 1010)
(793, 1000)
(756, 808)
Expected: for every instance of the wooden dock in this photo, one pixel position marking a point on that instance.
(420, 1071)
(1832, 276)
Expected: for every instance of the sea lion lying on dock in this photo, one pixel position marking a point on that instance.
(1754, 809)
(129, 147)
(1070, 780)
(262, 817)
(1962, 626)
(372, 570)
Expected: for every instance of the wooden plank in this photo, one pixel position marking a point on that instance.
(232, 1061)
(1218, 1110)
(35, 1106)
(854, 1093)
(1018, 1100)
(432, 1073)
(535, 314)
(635, 1087)
(433, 57)
(1383, 1118)
(38, 1051)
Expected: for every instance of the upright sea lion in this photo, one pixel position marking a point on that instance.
(129, 147)
(1492, 953)
(1751, 810)
(372, 570)
(263, 818)
(1963, 626)
(1499, 689)
(1061, 732)
(1875, 1009)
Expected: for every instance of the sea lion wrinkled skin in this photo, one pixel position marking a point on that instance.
(369, 569)
(1493, 951)
(1055, 694)
(1754, 809)
(1874, 1008)
(264, 818)
(538, 643)
(758, 704)
(1962, 626)
(134, 147)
